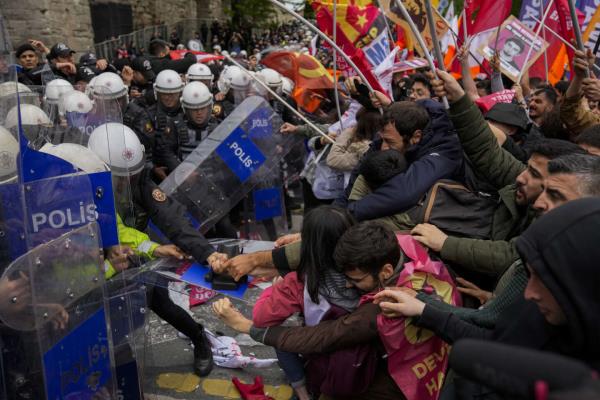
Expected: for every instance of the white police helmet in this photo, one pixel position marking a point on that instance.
(119, 147)
(196, 95)
(199, 72)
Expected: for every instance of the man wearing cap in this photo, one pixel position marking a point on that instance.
(138, 75)
(511, 127)
(160, 60)
(62, 62)
(89, 67)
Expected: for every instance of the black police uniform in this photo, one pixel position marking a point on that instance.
(151, 203)
(221, 109)
(149, 123)
(173, 146)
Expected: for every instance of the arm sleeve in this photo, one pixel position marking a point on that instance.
(339, 156)
(279, 303)
(491, 257)
(479, 143)
(138, 241)
(575, 117)
(165, 154)
(349, 330)
(450, 327)
(287, 258)
(169, 217)
(497, 85)
(403, 190)
(181, 66)
(307, 131)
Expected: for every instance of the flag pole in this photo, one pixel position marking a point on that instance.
(326, 38)
(455, 35)
(432, 31)
(278, 97)
(419, 38)
(562, 39)
(577, 31)
(537, 35)
(387, 24)
(464, 25)
(335, 79)
(544, 37)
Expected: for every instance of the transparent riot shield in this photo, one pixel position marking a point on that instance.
(52, 190)
(244, 151)
(128, 322)
(53, 322)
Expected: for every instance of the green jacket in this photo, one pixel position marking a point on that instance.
(501, 169)
(139, 242)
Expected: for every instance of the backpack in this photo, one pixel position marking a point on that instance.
(456, 210)
(329, 183)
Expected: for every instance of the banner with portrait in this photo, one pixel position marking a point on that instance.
(512, 43)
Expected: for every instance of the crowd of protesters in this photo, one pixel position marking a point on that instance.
(471, 222)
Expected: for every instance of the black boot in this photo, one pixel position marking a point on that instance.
(203, 358)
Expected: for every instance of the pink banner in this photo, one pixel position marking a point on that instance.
(417, 359)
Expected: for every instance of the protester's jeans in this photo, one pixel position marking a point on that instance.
(293, 366)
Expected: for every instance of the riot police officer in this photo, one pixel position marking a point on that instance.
(234, 87)
(157, 119)
(140, 79)
(202, 73)
(283, 87)
(148, 202)
(171, 149)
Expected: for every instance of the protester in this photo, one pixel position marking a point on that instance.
(432, 207)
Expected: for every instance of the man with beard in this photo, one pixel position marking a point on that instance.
(541, 103)
(518, 186)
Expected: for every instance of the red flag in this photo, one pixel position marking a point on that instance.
(558, 20)
(359, 18)
(310, 77)
(483, 15)
(200, 56)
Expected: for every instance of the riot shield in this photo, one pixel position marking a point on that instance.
(242, 153)
(57, 213)
(53, 321)
(128, 322)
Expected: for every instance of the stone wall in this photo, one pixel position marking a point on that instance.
(70, 20)
(49, 20)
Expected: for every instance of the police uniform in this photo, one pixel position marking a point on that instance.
(150, 123)
(221, 109)
(183, 138)
(151, 203)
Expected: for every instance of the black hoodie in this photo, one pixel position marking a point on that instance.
(563, 249)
